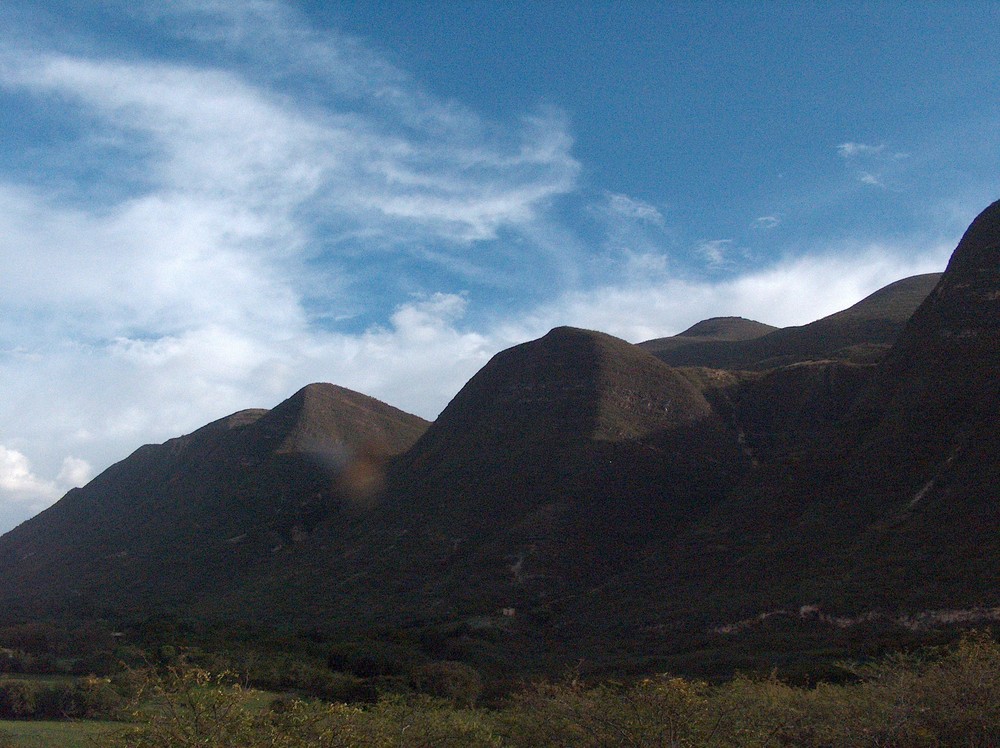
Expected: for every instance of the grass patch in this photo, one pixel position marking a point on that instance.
(59, 734)
(41, 677)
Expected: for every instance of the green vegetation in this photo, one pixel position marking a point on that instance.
(50, 734)
(945, 696)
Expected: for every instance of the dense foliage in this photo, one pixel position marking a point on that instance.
(949, 697)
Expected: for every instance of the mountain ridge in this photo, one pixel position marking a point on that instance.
(859, 334)
(622, 507)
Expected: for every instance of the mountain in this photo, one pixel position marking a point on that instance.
(890, 511)
(190, 517)
(860, 334)
(555, 466)
(814, 489)
(713, 330)
(930, 424)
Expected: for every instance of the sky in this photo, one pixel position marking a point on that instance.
(206, 205)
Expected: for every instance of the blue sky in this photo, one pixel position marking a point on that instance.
(206, 205)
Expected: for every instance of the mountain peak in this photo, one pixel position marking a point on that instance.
(321, 415)
(727, 328)
(579, 383)
(980, 245)
(961, 317)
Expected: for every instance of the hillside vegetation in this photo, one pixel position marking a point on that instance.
(945, 697)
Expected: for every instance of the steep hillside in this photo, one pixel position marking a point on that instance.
(894, 511)
(931, 424)
(821, 485)
(192, 516)
(560, 463)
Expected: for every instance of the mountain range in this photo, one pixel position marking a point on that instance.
(659, 504)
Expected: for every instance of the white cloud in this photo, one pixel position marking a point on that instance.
(767, 222)
(219, 136)
(716, 252)
(19, 482)
(793, 292)
(850, 149)
(17, 479)
(634, 209)
(870, 179)
(75, 472)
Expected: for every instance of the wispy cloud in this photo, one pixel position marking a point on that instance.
(790, 292)
(878, 162)
(214, 133)
(870, 179)
(631, 208)
(189, 285)
(716, 252)
(850, 149)
(767, 222)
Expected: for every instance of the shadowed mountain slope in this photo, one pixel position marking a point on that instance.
(624, 509)
(559, 463)
(931, 425)
(192, 516)
(896, 509)
(860, 334)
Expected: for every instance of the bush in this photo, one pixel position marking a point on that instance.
(17, 699)
(14, 661)
(97, 698)
(946, 697)
(87, 698)
(55, 701)
(453, 681)
(342, 687)
(660, 711)
(372, 659)
(34, 638)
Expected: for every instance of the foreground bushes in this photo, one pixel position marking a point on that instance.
(946, 698)
(84, 698)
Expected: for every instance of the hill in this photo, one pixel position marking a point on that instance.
(890, 512)
(554, 467)
(713, 330)
(816, 489)
(190, 517)
(860, 334)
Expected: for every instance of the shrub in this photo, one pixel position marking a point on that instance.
(56, 701)
(17, 699)
(14, 661)
(453, 681)
(660, 711)
(342, 687)
(372, 659)
(97, 698)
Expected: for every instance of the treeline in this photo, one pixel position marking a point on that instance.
(305, 691)
(945, 697)
(80, 698)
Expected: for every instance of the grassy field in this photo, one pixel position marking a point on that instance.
(40, 678)
(31, 734)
